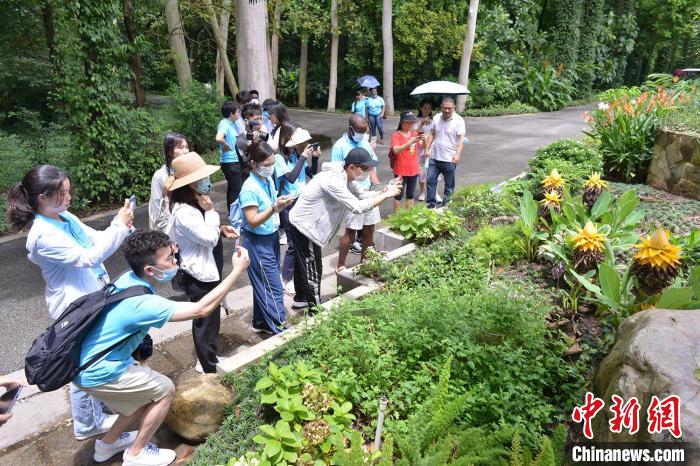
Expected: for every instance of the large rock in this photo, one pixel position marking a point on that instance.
(198, 407)
(675, 163)
(656, 352)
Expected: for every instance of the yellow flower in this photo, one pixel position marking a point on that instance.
(588, 238)
(553, 181)
(594, 181)
(656, 250)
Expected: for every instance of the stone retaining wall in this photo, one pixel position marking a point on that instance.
(675, 166)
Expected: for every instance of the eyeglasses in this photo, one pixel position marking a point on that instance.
(174, 250)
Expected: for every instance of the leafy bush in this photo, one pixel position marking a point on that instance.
(495, 244)
(685, 117)
(616, 93)
(423, 225)
(514, 108)
(477, 205)
(198, 114)
(492, 85)
(546, 88)
(570, 150)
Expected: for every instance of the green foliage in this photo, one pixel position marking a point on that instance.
(574, 160)
(197, 114)
(531, 237)
(622, 92)
(567, 30)
(494, 244)
(685, 117)
(478, 205)
(422, 225)
(545, 88)
(493, 86)
(513, 108)
(279, 444)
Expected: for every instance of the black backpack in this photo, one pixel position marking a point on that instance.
(54, 358)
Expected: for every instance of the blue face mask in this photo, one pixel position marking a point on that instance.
(203, 186)
(168, 275)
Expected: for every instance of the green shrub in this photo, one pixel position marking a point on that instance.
(545, 88)
(496, 244)
(619, 92)
(514, 108)
(570, 150)
(197, 113)
(477, 205)
(423, 225)
(492, 85)
(686, 117)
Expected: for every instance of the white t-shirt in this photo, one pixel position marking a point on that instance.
(448, 135)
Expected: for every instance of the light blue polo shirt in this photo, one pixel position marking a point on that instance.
(374, 105)
(261, 194)
(283, 167)
(228, 127)
(343, 146)
(133, 315)
(359, 107)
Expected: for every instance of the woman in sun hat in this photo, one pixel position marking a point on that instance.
(195, 227)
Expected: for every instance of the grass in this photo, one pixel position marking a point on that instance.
(685, 117)
(514, 108)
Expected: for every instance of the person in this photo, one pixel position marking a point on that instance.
(242, 97)
(375, 114)
(135, 391)
(404, 144)
(359, 105)
(261, 207)
(424, 124)
(292, 172)
(174, 145)
(280, 124)
(196, 229)
(70, 255)
(321, 208)
(253, 121)
(364, 222)
(267, 123)
(10, 384)
(226, 135)
(444, 148)
(254, 96)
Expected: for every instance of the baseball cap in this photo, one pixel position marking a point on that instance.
(360, 156)
(408, 116)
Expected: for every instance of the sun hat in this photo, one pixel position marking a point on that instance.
(360, 156)
(298, 136)
(407, 116)
(188, 168)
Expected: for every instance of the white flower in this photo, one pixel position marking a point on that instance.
(603, 106)
(207, 87)
(114, 21)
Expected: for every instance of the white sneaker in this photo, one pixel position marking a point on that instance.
(421, 198)
(438, 198)
(150, 456)
(283, 239)
(289, 288)
(104, 451)
(199, 368)
(107, 424)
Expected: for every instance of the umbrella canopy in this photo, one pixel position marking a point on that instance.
(440, 87)
(368, 81)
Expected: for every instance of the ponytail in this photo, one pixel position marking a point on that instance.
(258, 151)
(23, 197)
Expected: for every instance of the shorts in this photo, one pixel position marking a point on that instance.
(408, 187)
(357, 221)
(137, 387)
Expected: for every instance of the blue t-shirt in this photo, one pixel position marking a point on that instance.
(283, 167)
(343, 146)
(374, 105)
(131, 316)
(227, 127)
(261, 194)
(359, 107)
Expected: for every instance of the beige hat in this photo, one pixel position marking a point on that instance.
(188, 168)
(300, 135)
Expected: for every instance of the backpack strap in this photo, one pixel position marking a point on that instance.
(131, 292)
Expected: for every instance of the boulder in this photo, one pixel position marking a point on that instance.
(198, 407)
(656, 352)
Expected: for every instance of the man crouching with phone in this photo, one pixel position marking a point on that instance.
(134, 391)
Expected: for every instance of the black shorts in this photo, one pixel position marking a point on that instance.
(409, 187)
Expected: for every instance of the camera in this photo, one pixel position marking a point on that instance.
(262, 136)
(314, 145)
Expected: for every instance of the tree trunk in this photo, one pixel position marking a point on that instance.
(50, 33)
(467, 52)
(251, 47)
(275, 42)
(303, 66)
(335, 35)
(388, 43)
(131, 33)
(177, 44)
(230, 80)
(223, 28)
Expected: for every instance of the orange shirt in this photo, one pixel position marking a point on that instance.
(406, 160)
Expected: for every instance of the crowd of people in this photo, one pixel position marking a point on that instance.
(276, 194)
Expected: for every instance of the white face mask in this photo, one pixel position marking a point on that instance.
(363, 176)
(359, 137)
(266, 172)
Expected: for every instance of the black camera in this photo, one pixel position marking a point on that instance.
(262, 136)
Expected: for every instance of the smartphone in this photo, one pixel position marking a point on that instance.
(132, 201)
(314, 145)
(7, 400)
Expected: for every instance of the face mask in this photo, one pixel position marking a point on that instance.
(254, 101)
(266, 172)
(203, 186)
(266, 115)
(359, 137)
(168, 275)
(363, 177)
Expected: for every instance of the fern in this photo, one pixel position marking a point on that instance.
(559, 444)
(516, 451)
(546, 456)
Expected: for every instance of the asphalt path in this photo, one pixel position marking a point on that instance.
(498, 149)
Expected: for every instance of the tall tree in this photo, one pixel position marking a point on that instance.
(177, 43)
(232, 85)
(251, 46)
(131, 33)
(388, 42)
(223, 27)
(467, 49)
(335, 36)
(592, 24)
(303, 69)
(567, 31)
(275, 43)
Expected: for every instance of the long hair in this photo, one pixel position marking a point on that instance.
(184, 195)
(420, 106)
(279, 110)
(286, 131)
(170, 142)
(258, 152)
(23, 197)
